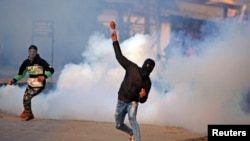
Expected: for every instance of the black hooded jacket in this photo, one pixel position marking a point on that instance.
(133, 80)
(35, 68)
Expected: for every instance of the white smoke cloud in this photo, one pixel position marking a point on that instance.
(207, 88)
(203, 89)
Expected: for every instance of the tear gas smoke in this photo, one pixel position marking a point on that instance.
(202, 89)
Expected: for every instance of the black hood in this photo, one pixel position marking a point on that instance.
(33, 47)
(148, 67)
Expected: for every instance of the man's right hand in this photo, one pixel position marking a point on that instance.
(10, 82)
(114, 36)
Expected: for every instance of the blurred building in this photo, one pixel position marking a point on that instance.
(160, 17)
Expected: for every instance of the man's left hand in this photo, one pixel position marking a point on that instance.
(142, 93)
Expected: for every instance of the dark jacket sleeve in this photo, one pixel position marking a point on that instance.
(123, 61)
(147, 88)
(47, 67)
(22, 67)
(21, 72)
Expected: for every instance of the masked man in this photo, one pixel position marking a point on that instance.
(38, 70)
(134, 89)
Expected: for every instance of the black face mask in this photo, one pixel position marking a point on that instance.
(147, 67)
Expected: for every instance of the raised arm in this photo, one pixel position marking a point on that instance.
(124, 62)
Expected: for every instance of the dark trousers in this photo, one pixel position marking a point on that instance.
(30, 92)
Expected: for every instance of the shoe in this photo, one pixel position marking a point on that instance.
(30, 117)
(25, 116)
(132, 138)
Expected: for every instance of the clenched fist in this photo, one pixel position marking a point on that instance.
(142, 93)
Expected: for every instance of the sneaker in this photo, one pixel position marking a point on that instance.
(25, 116)
(132, 138)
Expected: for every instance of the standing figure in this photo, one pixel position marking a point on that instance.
(38, 70)
(134, 88)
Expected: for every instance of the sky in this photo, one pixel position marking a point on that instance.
(210, 87)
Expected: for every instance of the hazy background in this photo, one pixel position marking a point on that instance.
(73, 21)
(211, 87)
